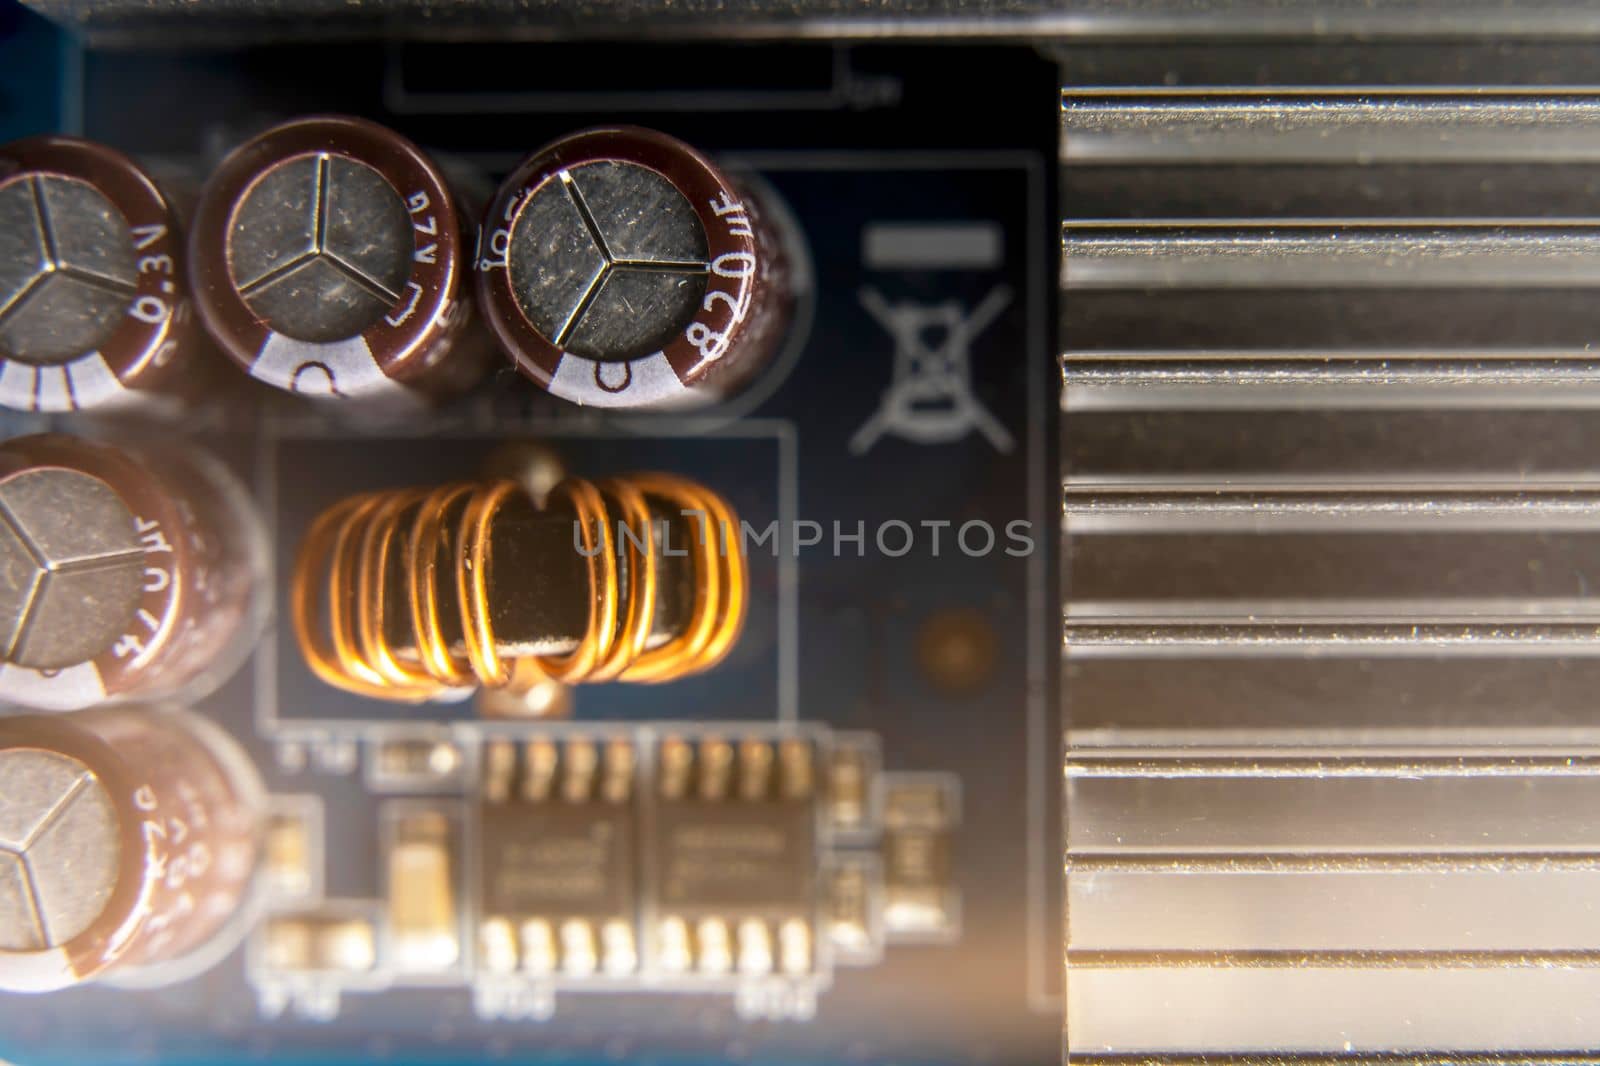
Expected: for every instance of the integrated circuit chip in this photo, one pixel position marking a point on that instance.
(735, 857)
(557, 872)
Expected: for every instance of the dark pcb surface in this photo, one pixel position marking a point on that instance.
(910, 432)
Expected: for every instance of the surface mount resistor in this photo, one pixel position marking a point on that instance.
(319, 943)
(403, 764)
(423, 915)
(852, 772)
(920, 897)
(850, 904)
(287, 856)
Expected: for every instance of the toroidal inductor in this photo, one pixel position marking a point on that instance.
(414, 594)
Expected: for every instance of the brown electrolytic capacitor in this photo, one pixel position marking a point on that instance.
(328, 258)
(129, 573)
(128, 839)
(621, 268)
(94, 310)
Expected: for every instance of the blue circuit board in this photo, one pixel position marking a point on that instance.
(872, 150)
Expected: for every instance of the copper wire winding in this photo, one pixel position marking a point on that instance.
(340, 593)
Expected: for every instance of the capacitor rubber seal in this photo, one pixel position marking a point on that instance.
(151, 351)
(404, 351)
